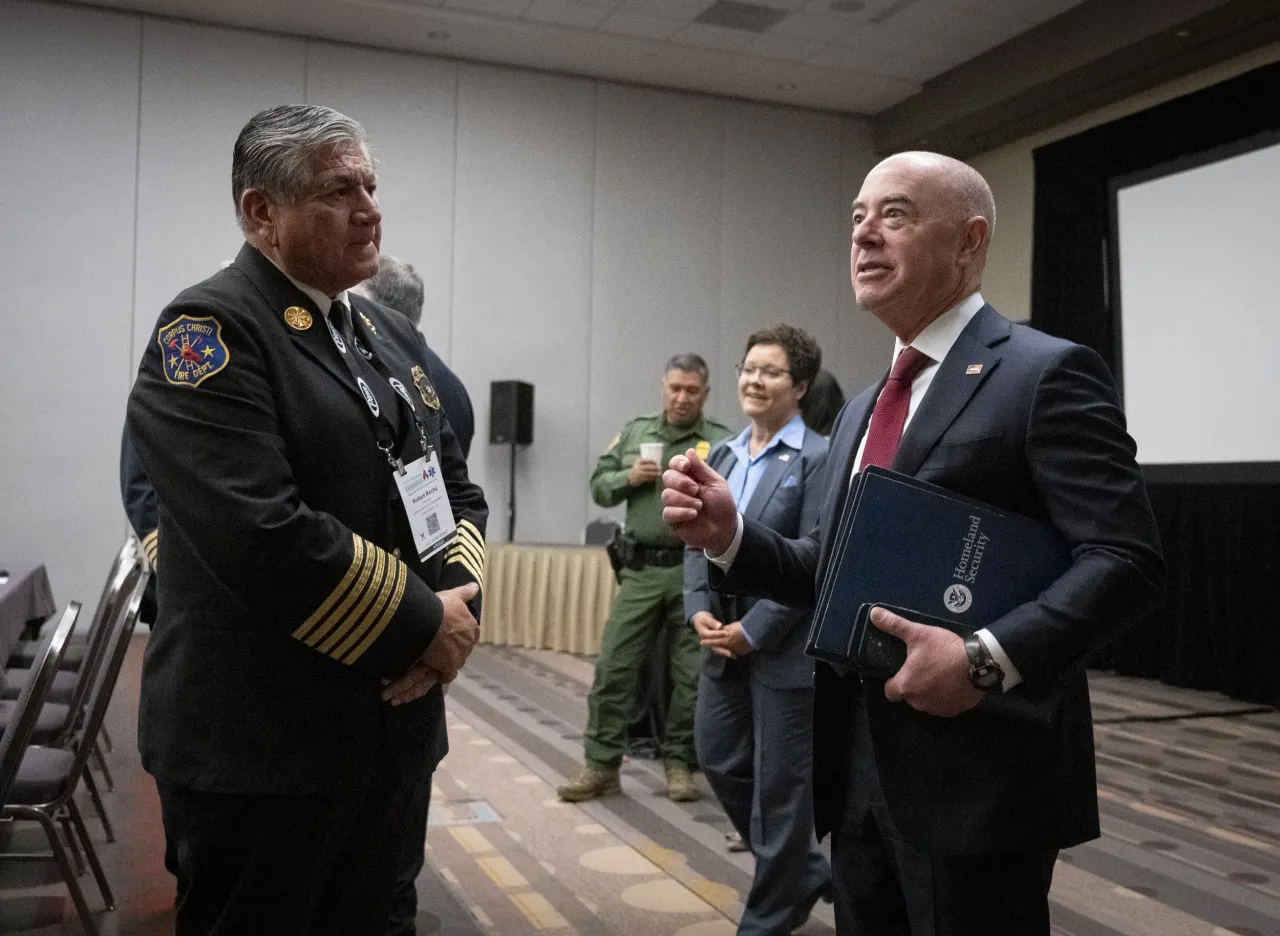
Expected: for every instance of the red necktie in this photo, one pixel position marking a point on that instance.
(890, 414)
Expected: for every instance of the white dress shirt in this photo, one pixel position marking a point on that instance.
(935, 341)
(322, 301)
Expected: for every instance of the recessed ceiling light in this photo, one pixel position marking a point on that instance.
(437, 34)
(847, 6)
(1183, 34)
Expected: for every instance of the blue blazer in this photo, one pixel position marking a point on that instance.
(787, 500)
(1031, 424)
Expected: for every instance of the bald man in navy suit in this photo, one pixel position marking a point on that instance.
(947, 821)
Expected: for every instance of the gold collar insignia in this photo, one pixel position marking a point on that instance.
(298, 318)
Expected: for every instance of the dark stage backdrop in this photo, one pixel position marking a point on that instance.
(1219, 624)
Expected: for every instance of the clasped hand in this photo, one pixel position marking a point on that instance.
(725, 640)
(446, 654)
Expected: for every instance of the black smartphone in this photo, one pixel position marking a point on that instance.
(877, 654)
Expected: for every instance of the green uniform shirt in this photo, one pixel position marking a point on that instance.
(644, 503)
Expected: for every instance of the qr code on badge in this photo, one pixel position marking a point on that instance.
(433, 524)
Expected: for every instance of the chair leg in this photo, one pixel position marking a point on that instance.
(106, 738)
(72, 845)
(102, 766)
(68, 874)
(91, 855)
(92, 786)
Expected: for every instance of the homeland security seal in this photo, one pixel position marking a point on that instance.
(192, 349)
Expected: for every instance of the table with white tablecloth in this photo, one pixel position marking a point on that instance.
(546, 597)
(25, 599)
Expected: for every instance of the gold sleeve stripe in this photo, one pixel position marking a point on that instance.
(468, 529)
(356, 614)
(334, 617)
(462, 547)
(380, 599)
(151, 546)
(475, 550)
(321, 612)
(467, 564)
(384, 619)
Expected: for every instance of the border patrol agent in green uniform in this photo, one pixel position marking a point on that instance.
(648, 612)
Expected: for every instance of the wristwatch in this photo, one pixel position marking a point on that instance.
(984, 672)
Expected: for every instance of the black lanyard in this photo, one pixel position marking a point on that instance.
(383, 427)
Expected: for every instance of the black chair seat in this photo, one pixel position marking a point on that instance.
(64, 685)
(42, 777)
(24, 654)
(52, 719)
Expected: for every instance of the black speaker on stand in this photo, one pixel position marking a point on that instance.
(511, 423)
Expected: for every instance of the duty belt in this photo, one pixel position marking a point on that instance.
(665, 556)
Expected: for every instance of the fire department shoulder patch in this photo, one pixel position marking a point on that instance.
(192, 350)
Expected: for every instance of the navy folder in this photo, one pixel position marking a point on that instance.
(910, 544)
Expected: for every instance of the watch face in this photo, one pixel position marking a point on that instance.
(987, 676)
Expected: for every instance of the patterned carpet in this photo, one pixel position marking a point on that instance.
(1190, 786)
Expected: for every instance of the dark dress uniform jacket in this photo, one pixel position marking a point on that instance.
(1030, 424)
(283, 606)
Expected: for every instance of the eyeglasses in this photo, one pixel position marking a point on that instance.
(751, 372)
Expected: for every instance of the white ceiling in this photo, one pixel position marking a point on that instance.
(862, 60)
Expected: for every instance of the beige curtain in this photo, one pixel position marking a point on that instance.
(546, 597)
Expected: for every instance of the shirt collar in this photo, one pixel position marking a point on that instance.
(322, 301)
(940, 334)
(790, 435)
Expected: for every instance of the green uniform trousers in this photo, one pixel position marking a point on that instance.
(647, 615)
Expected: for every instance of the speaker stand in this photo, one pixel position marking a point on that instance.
(511, 503)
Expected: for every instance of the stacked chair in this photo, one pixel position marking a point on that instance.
(52, 728)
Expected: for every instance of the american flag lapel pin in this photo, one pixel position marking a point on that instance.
(973, 369)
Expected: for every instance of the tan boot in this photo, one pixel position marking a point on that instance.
(589, 783)
(680, 786)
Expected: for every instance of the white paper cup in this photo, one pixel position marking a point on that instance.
(652, 451)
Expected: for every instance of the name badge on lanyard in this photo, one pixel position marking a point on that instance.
(421, 482)
(422, 491)
(426, 503)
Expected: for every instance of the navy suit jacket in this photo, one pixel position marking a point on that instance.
(1031, 424)
(454, 398)
(787, 499)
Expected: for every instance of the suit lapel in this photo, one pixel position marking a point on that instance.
(280, 294)
(844, 446)
(723, 462)
(768, 482)
(965, 368)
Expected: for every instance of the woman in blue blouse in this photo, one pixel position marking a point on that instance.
(754, 714)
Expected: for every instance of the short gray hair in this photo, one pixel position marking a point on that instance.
(275, 152)
(397, 286)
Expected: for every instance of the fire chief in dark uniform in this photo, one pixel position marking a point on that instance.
(315, 589)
